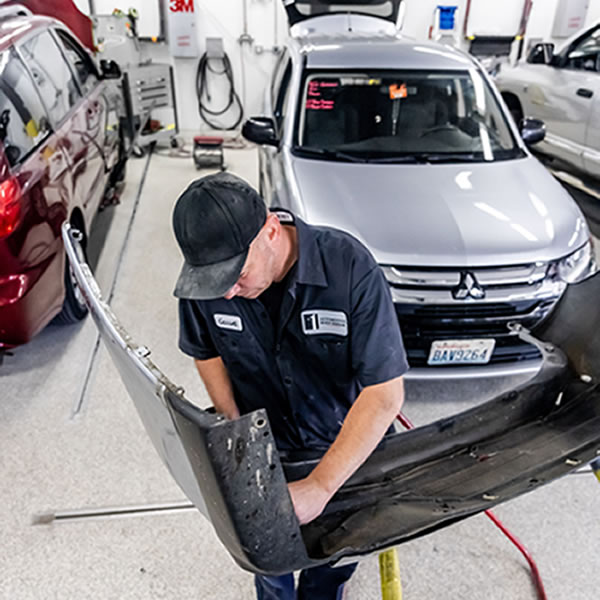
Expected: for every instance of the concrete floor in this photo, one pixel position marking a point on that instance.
(70, 439)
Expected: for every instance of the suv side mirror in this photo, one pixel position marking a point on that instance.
(260, 130)
(532, 131)
(110, 69)
(541, 54)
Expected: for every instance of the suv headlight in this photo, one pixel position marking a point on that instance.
(578, 266)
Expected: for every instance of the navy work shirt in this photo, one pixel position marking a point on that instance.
(337, 332)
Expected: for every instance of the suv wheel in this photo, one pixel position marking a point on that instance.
(74, 308)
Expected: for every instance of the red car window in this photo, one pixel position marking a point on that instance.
(80, 61)
(23, 122)
(52, 75)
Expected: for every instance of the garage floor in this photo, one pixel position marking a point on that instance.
(70, 440)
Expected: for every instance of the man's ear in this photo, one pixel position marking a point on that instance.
(272, 227)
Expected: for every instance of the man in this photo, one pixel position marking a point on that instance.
(297, 320)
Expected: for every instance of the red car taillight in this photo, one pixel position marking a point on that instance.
(10, 206)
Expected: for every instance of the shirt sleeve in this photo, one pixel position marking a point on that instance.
(194, 336)
(378, 353)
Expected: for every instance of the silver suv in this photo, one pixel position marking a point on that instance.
(409, 147)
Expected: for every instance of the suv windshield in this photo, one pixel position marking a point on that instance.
(402, 116)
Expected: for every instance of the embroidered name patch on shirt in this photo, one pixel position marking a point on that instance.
(284, 217)
(232, 322)
(315, 322)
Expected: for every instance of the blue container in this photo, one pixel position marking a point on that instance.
(447, 16)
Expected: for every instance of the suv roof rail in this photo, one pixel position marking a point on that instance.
(13, 10)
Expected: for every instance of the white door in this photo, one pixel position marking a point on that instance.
(591, 151)
(581, 67)
(563, 94)
(591, 155)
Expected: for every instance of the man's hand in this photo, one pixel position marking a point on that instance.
(309, 499)
(371, 414)
(218, 385)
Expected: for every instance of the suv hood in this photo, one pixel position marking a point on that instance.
(471, 214)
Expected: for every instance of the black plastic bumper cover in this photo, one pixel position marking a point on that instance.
(414, 483)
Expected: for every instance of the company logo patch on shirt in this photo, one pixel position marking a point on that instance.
(232, 322)
(316, 322)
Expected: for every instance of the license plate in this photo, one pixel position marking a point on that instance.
(461, 352)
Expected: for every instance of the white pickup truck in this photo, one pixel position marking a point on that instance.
(563, 90)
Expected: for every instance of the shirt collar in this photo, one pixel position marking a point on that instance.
(309, 267)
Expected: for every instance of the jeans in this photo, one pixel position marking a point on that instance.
(318, 583)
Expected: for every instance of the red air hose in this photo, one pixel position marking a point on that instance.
(535, 573)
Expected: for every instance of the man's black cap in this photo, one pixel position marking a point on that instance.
(214, 221)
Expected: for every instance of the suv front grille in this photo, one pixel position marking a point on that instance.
(439, 304)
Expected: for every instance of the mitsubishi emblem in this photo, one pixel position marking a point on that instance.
(468, 288)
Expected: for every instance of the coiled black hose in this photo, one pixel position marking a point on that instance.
(206, 114)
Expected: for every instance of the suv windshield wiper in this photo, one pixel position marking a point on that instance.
(413, 158)
(455, 157)
(328, 153)
(425, 157)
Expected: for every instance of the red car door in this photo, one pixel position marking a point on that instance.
(78, 119)
(102, 137)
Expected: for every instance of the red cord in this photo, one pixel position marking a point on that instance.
(535, 573)
(406, 422)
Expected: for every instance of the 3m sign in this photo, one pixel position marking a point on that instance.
(177, 6)
(183, 38)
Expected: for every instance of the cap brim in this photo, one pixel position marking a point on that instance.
(209, 282)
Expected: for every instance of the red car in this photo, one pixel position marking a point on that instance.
(60, 146)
